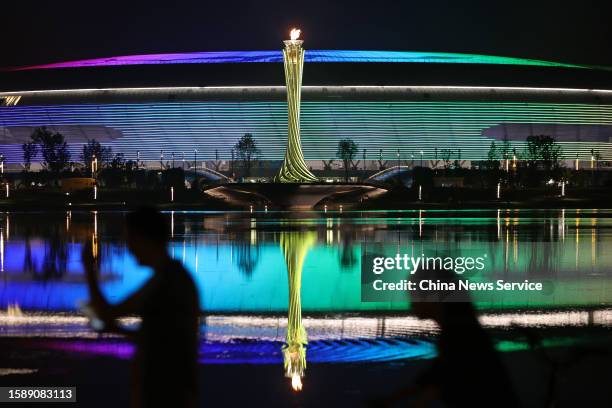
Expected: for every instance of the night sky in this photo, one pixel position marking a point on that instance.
(52, 31)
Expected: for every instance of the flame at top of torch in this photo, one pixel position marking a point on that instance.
(295, 33)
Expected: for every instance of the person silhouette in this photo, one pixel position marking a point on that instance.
(467, 371)
(164, 367)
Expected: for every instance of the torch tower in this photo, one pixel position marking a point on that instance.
(294, 168)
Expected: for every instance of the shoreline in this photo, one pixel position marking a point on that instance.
(52, 203)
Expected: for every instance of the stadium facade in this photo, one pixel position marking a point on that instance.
(395, 105)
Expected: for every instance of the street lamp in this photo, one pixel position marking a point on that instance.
(195, 163)
(421, 158)
(364, 160)
(563, 188)
(94, 163)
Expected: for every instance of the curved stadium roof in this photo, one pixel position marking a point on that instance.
(323, 68)
(220, 57)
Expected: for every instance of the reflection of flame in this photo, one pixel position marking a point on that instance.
(296, 382)
(295, 33)
(294, 359)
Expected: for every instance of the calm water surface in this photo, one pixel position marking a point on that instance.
(240, 263)
(274, 283)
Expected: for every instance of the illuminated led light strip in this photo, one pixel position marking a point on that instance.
(310, 88)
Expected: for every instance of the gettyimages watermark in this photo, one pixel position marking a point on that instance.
(396, 277)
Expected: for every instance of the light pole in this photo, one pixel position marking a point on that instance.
(137, 159)
(562, 188)
(398, 159)
(592, 167)
(577, 163)
(94, 165)
(421, 158)
(195, 164)
(172, 159)
(364, 160)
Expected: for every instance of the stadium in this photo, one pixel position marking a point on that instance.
(399, 107)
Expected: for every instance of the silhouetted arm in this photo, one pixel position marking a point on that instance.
(97, 300)
(106, 311)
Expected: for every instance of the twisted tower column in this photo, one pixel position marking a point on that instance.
(294, 168)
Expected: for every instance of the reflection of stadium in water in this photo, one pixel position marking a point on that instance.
(240, 263)
(236, 259)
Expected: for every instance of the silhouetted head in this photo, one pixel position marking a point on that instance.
(147, 235)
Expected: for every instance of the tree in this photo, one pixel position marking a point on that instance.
(327, 164)
(493, 157)
(543, 150)
(506, 149)
(92, 149)
(247, 151)
(54, 149)
(347, 150)
(446, 154)
(382, 164)
(30, 149)
(217, 163)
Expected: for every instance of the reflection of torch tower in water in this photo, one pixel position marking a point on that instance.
(295, 246)
(294, 168)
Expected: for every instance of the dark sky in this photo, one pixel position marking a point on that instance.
(49, 31)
